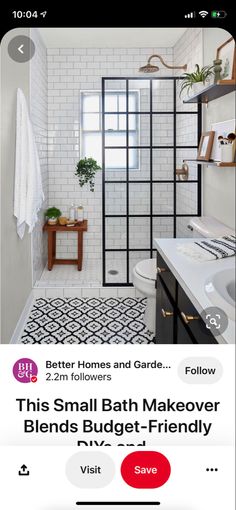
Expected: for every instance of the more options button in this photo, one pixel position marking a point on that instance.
(145, 470)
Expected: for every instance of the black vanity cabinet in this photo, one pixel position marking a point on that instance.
(177, 320)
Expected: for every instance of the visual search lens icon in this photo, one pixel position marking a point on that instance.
(215, 321)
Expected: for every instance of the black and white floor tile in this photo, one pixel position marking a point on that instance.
(87, 321)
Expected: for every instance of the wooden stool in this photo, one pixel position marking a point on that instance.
(52, 230)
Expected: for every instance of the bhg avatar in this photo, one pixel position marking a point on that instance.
(25, 370)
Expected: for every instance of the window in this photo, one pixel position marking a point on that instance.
(115, 127)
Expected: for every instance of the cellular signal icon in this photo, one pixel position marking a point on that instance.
(203, 14)
(190, 15)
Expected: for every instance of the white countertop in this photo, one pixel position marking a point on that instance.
(192, 274)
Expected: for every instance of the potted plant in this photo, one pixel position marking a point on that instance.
(52, 214)
(85, 170)
(196, 80)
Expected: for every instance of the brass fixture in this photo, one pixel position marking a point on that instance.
(183, 173)
(161, 269)
(188, 318)
(150, 68)
(166, 314)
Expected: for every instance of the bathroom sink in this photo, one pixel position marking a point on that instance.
(220, 289)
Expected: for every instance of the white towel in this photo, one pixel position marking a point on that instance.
(28, 193)
(210, 249)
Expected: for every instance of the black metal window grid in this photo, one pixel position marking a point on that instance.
(128, 174)
(95, 127)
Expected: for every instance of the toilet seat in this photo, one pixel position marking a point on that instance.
(146, 269)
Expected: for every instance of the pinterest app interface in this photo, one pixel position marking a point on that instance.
(117, 350)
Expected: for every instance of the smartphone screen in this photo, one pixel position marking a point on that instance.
(117, 352)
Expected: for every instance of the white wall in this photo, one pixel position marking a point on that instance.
(218, 183)
(69, 72)
(16, 253)
(39, 118)
(188, 50)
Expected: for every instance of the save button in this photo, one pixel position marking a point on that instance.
(145, 470)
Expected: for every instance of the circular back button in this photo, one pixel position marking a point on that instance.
(21, 48)
(145, 470)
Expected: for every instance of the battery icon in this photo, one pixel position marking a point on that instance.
(218, 14)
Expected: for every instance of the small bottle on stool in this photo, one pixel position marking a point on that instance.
(80, 214)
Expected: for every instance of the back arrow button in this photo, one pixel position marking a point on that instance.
(21, 48)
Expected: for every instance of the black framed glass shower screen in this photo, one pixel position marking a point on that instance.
(147, 132)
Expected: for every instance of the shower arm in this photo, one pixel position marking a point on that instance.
(164, 64)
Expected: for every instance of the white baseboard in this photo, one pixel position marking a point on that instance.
(22, 320)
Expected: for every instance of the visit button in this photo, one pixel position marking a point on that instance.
(145, 470)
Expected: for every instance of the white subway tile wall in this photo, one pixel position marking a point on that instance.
(55, 103)
(39, 118)
(188, 50)
(71, 71)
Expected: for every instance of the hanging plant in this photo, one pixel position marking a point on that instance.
(86, 170)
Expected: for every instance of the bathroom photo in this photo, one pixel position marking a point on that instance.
(118, 186)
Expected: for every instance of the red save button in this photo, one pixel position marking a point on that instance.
(145, 470)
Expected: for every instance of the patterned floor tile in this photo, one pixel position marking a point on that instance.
(87, 321)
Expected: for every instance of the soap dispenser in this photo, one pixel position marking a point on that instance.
(80, 213)
(72, 213)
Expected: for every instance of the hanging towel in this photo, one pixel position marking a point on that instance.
(210, 249)
(28, 192)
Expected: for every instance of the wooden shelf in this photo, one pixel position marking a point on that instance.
(219, 89)
(211, 163)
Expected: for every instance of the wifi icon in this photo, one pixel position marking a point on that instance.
(203, 14)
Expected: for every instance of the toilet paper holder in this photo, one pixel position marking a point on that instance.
(183, 172)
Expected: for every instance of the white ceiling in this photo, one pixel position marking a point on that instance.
(110, 37)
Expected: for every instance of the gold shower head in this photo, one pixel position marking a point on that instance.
(150, 68)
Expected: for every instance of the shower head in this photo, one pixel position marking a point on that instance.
(150, 68)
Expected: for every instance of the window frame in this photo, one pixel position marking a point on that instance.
(136, 131)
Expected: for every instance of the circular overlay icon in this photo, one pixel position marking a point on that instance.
(145, 470)
(25, 370)
(21, 48)
(215, 321)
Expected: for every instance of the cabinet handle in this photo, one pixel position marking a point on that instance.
(161, 269)
(166, 314)
(188, 318)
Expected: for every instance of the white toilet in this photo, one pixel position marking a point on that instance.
(144, 277)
